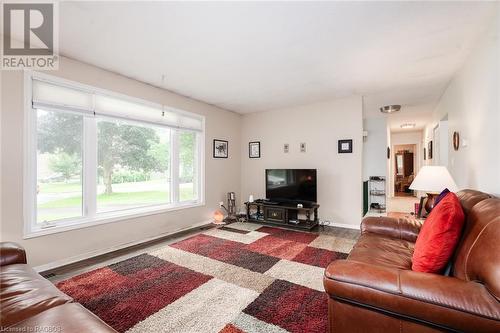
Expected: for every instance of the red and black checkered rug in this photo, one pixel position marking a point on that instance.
(243, 278)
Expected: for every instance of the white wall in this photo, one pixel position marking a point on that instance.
(443, 144)
(222, 175)
(375, 148)
(438, 133)
(319, 126)
(472, 105)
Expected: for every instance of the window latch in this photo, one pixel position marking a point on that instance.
(47, 225)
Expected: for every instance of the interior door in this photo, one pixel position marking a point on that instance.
(408, 164)
(435, 146)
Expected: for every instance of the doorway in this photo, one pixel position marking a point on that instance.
(440, 134)
(404, 169)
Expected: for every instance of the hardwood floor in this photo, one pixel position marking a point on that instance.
(401, 204)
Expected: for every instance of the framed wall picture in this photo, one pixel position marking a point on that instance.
(221, 148)
(429, 150)
(254, 149)
(456, 141)
(345, 146)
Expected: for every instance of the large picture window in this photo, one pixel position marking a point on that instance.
(133, 165)
(59, 166)
(96, 157)
(187, 166)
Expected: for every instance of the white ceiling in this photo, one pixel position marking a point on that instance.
(420, 115)
(249, 57)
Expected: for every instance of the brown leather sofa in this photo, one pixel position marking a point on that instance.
(30, 303)
(375, 290)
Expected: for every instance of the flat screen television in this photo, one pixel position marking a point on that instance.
(297, 185)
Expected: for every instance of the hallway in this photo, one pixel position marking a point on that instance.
(401, 204)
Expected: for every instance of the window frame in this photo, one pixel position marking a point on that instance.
(90, 217)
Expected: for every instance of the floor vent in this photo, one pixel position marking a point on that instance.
(206, 227)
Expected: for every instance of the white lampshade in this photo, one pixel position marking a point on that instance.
(432, 178)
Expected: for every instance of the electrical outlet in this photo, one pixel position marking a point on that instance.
(221, 203)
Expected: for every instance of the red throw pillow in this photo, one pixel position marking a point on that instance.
(439, 236)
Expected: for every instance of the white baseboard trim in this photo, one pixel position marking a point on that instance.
(88, 255)
(345, 225)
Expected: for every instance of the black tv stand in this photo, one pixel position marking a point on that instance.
(267, 202)
(285, 214)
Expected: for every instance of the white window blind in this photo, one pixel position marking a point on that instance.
(54, 95)
(47, 94)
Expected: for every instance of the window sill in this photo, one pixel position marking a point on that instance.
(105, 218)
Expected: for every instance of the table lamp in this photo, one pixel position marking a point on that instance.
(433, 179)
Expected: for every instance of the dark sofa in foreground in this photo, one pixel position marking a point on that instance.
(375, 290)
(30, 303)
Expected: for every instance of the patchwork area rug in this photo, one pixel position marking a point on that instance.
(242, 278)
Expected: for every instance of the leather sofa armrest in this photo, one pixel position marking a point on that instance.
(401, 228)
(442, 301)
(12, 253)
